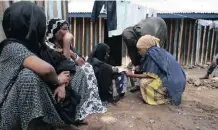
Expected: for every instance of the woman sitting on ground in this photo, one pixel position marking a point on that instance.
(162, 79)
(111, 84)
(84, 83)
(26, 101)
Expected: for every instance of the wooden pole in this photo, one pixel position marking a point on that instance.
(184, 43)
(207, 48)
(215, 44)
(83, 37)
(102, 35)
(203, 45)
(1, 9)
(61, 12)
(171, 36)
(46, 9)
(55, 10)
(193, 44)
(87, 36)
(65, 8)
(70, 20)
(74, 32)
(176, 39)
(91, 37)
(95, 34)
(198, 45)
(100, 24)
(212, 45)
(189, 44)
(180, 40)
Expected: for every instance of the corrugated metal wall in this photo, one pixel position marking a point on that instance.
(190, 43)
(53, 9)
(86, 34)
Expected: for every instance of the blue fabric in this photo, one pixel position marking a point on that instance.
(162, 63)
(121, 83)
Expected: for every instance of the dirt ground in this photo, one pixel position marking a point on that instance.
(198, 111)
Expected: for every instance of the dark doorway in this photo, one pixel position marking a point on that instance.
(115, 44)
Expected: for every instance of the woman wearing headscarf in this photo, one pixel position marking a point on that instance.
(111, 84)
(26, 101)
(162, 79)
(84, 81)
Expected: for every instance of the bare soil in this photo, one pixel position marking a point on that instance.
(198, 111)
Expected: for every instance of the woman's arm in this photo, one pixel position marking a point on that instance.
(66, 45)
(151, 67)
(68, 53)
(76, 52)
(42, 68)
(21, 56)
(131, 75)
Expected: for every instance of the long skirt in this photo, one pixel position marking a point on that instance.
(152, 90)
(28, 99)
(85, 84)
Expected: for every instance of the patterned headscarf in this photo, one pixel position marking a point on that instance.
(147, 41)
(53, 26)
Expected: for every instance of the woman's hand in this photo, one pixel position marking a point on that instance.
(129, 73)
(80, 61)
(137, 68)
(60, 93)
(64, 78)
(73, 55)
(68, 37)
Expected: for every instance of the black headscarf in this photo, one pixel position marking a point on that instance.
(53, 26)
(100, 52)
(103, 71)
(25, 22)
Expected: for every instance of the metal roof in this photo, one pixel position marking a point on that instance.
(85, 15)
(161, 6)
(189, 15)
(162, 15)
(181, 6)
